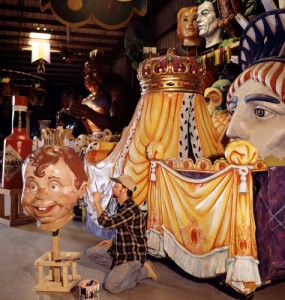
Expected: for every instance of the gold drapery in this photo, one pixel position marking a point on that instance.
(154, 132)
(160, 126)
(206, 226)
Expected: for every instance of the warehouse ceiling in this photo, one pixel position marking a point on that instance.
(70, 45)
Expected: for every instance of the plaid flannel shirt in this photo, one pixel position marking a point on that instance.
(130, 242)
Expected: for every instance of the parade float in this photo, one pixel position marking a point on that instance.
(215, 209)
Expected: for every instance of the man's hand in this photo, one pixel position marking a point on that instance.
(105, 243)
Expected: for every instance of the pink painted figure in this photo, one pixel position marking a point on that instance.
(54, 180)
(187, 27)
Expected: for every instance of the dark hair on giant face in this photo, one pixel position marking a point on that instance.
(49, 155)
(215, 5)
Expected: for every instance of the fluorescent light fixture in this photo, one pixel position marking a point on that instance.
(39, 35)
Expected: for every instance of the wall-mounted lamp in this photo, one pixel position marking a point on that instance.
(40, 46)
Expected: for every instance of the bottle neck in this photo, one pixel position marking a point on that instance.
(19, 120)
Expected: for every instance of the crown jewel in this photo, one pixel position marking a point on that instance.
(171, 73)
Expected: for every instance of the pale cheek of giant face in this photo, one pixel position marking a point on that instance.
(212, 26)
(273, 142)
(266, 134)
(66, 200)
(64, 204)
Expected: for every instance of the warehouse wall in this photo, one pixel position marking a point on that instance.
(162, 23)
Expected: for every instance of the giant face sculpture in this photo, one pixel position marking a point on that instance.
(187, 27)
(256, 99)
(208, 24)
(257, 103)
(54, 179)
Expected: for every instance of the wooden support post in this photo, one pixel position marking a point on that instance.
(68, 261)
(56, 255)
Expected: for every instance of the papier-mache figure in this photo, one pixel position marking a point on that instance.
(187, 27)
(256, 99)
(111, 102)
(208, 21)
(54, 180)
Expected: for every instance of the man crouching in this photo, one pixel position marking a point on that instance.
(126, 253)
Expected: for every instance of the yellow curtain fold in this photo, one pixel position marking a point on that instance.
(160, 122)
(204, 214)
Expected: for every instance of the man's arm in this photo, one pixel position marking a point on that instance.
(97, 202)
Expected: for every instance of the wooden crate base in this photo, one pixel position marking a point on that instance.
(17, 216)
(67, 281)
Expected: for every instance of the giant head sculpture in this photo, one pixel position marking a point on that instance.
(187, 27)
(54, 180)
(97, 70)
(208, 22)
(256, 99)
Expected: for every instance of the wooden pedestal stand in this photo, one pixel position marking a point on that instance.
(57, 265)
(17, 215)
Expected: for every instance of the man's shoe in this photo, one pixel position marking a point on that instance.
(151, 272)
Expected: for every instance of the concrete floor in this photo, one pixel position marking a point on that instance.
(20, 246)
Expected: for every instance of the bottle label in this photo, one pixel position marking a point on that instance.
(13, 163)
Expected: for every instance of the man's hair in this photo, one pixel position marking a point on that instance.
(215, 5)
(49, 155)
(130, 193)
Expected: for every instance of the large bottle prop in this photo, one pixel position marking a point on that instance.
(17, 146)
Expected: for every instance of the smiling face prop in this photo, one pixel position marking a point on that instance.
(54, 179)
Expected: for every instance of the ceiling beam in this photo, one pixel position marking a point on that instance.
(29, 9)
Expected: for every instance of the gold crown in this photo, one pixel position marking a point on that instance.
(171, 73)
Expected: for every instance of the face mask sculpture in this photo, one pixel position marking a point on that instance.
(54, 179)
(256, 99)
(187, 27)
(208, 22)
